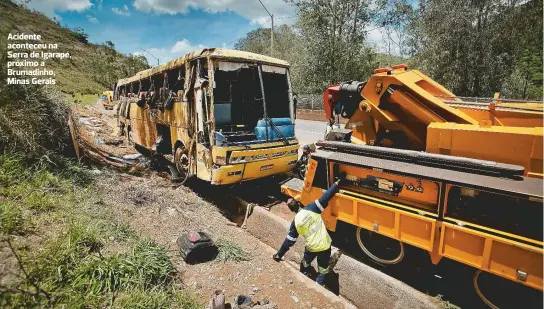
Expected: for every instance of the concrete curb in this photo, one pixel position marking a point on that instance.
(363, 285)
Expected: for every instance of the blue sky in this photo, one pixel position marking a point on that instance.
(166, 28)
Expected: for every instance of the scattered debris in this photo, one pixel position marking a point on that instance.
(244, 302)
(218, 300)
(91, 121)
(196, 247)
(99, 141)
(114, 141)
(133, 156)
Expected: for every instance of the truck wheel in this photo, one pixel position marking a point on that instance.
(383, 244)
(302, 171)
(479, 292)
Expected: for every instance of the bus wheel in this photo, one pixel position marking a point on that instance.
(181, 159)
(392, 251)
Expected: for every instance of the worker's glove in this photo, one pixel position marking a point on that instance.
(276, 257)
(341, 177)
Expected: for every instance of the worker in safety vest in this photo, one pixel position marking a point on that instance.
(310, 225)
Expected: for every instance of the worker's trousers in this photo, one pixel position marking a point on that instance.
(323, 259)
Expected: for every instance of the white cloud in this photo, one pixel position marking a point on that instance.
(373, 34)
(123, 11)
(251, 10)
(50, 6)
(92, 20)
(100, 3)
(179, 49)
(184, 47)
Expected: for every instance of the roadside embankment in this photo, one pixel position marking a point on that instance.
(364, 286)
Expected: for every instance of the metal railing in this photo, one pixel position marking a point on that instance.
(311, 101)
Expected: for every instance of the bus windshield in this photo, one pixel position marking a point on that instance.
(238, 104)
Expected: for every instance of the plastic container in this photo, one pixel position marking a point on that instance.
(284, 125)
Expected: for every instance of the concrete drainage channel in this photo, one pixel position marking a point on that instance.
(362, 285)
(356, 284)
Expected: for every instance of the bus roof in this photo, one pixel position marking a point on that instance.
(215, 53)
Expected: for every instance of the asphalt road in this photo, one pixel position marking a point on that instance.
(309, 131)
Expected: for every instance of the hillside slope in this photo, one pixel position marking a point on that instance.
(92, 69)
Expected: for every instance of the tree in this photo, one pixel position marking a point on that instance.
(81, 35)
(392, 21)
(334, 39)
(287, 46)
(480, 47)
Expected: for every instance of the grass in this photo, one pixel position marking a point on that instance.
(84, 99)
(93, 68)
(73, 252)
(229, 251)
(446, 304)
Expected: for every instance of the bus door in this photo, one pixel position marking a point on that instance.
(203, 144)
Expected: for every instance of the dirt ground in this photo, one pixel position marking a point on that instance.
(156, 209)
(100, 128)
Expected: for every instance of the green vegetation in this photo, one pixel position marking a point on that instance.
(71, 251)
(473, 48)
(81, 98)
(92, 69)
(445, 304)
(229, 251)
(61, 243)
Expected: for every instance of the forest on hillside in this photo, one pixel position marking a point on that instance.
(92, 69)
(474, 48)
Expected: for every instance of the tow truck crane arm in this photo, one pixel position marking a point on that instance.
(405, 109)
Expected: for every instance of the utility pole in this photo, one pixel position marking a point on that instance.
(272, 36)
(151, 55)
(271, 29)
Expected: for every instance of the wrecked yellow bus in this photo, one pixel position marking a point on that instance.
(224, 116)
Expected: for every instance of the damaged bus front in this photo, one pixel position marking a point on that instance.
(254, 121)
(225, 116)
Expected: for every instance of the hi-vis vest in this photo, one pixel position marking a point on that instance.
(311, 226)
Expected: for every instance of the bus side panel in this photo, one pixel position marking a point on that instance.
(137, 124)
(176, 119)
(143, 129)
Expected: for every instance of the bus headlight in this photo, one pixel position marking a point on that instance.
(234, 160)
(260, 157)
(293, 152)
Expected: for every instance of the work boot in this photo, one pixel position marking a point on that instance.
(321, 280)
(306, 270)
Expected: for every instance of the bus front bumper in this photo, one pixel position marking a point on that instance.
(229, 174)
